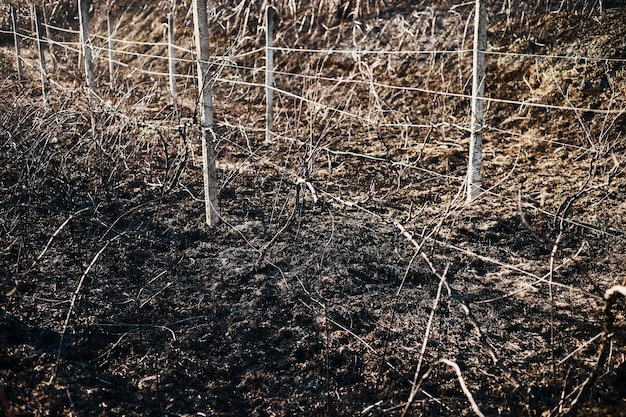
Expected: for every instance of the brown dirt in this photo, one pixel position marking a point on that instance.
(118, 300)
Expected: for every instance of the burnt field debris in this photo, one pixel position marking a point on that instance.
(349, 274)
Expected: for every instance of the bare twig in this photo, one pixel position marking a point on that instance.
(610, 297)
(579, 348)
(55, 234)
(555, 248)
(538, 279)
(71, 309)
(466, 391)
(415, 389)
(538, 235)
(488, 347)
(464, 388)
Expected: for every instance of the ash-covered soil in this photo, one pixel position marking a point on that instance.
(349, 275)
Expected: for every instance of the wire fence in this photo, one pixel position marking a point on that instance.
(73, 47)
(296, 88)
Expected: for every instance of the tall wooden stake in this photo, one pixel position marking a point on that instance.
(49, 41)
(172, 53)
(270, 17)
(209, 170)
(83, 13)
(45, 84)
(111, 51)
(16, 38)
(33, 18)
(478, 92)
(80, 50)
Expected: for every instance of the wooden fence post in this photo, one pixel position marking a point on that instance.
(209, 170)
(172, 53)
(80, 49)
(16, 38)
(83, 13)
(270, 18)
(111, 53)
(49, 40)
(45, 84)
(478, 92)
(33, 18)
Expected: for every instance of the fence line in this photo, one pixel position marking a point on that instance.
(368, 52)
(441, 52)
(327, 107)
(186, 60)
(561, 57)
(365, 83)
(460, 95)
(434, 92)
(65, 44)
(537, 138)
(229, 61)
(338, 51)
(330, 79)
(60, 29)
(177, 47)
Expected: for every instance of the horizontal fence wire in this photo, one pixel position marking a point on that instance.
(443, 52)
(59, 29)
(228, 61)
(368, 52)
(343, 51)
(435, 92)
(339, 80)
(214, 58)
(556, 57)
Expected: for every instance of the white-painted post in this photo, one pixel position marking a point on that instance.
(478, 93)
(49, 41)
(270, 18)
(111, 50)
(80, 49)
(83, 14)
(45, 83)
(171, 40)
(16, 38)
(33, 18)
(209, 170)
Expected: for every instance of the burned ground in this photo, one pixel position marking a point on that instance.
(117, 299)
